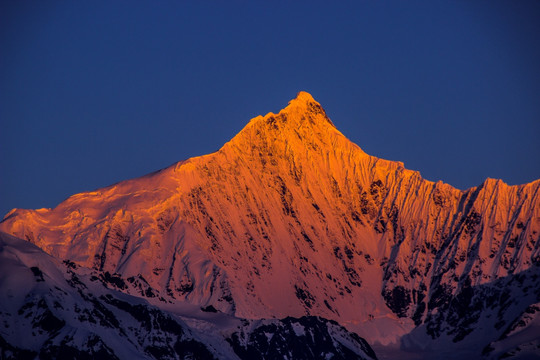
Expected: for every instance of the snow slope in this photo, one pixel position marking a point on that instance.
(56, 310)
(290, 218)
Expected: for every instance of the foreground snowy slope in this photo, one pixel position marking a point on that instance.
(48, 308)
(57, 310)
(290, 218)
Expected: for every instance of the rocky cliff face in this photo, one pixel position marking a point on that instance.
(290, 218)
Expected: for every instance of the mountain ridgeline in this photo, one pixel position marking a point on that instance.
(290, 218)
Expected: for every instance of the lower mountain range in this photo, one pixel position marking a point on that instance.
(289, 242)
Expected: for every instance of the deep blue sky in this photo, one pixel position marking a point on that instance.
(92, 93)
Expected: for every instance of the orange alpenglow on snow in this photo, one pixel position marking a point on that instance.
(291, 218)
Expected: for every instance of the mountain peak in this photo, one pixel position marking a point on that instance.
(303, 97)
(290, 218)
(302, 111)
(303, 104)
(302, 120)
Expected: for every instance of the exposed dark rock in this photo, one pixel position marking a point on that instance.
(303, 338)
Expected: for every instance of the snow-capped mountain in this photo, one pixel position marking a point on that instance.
(55, 310)
(290, 218)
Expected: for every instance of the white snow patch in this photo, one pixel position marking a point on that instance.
(299, 330)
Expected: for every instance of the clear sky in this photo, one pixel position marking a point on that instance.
(95, 92)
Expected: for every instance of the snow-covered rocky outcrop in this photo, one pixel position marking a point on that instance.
(290, 218)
